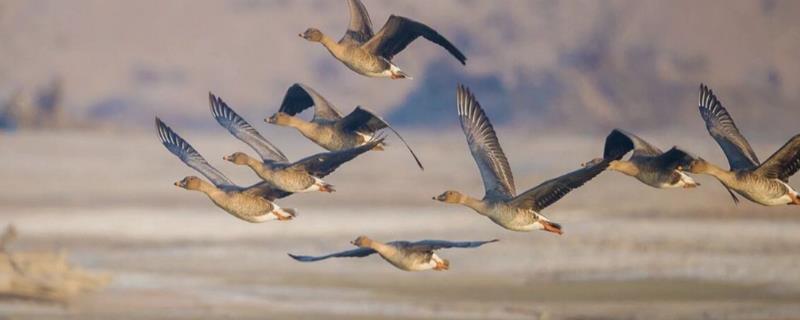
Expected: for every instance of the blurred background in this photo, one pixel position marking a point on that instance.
(85, 175)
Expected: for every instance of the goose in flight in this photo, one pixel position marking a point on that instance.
(252, 204)
(328, 128)
(370, 54)
(500, 203)
(404, 255)
(763, 183)
(274, 168)
(649, 164)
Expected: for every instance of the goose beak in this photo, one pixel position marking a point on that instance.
(226, 158)
(300, 35)
(177, 183)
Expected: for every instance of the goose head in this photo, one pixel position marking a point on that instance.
(362, 242)
(239, 158)
(189, 183)
(698, 165)
(312, 34)
(592, 162)
(280, 118)
(449, 196)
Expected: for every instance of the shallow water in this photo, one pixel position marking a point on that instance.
(677, 254)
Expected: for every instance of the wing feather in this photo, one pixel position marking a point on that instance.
(360, 28)
(355, 253)
(547, 193)
(184, 151)
(640, 147)
(399, 32)
(721, 127)
(485, 147)
(363, 120)
(266, 191)
(430, 245)
(300, 97)
(322, 164)
(243, 131)
(783, 163)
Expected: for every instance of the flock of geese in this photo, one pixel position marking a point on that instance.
(347, 137)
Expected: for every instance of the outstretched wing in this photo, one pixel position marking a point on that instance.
(430, 245)
(243, 131)
(363, 120)
(721, 127)
(266, 191)
(299, 97)
(784, 163)
(355, 253)
(399, 32)
(360, 28)
(482, 140)
(322, 164)
(184, 151)
(640, 147)
(550, 191)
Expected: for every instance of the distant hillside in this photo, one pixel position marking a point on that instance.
(575, 65)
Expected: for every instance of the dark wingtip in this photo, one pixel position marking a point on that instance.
(295, 257)
(617, 145)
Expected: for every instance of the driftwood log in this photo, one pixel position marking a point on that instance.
(45, 276)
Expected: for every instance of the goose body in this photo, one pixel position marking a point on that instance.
(500, 204)
(763, 183)
(328, 128)
(246, 205)
(648, 164)
(369, 53)
(252, 204)
(403, 255)
(274, 168)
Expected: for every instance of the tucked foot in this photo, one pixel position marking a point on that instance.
(691, 185)
(285, 214)
(377, 147)
(397, 74)
(326, 188)
(282, 217)
(795, 200)
(550, 226)
(442, 265)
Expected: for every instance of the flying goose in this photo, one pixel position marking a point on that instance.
(649, 164)
(520, 212)
(371, 54)
(252, 204)
(404, 255)
(765, 183)
(274, 168)
(328, 128)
